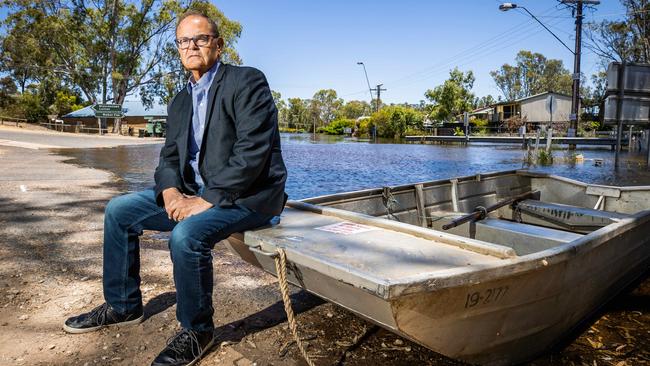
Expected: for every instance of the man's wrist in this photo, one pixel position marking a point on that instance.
(171, 194)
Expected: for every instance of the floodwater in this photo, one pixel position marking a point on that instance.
(329, 164)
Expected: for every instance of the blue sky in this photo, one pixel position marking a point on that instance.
(408, 45)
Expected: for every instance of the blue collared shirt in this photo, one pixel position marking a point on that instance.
(199, 92)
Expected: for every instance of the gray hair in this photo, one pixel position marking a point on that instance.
(196, 13)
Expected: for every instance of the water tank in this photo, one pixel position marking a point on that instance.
(636, 109)
(637, 77)
(636, 94)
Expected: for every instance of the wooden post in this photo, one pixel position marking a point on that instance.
(647, 134)
(630, 145)
(619, 111)
(420, 205)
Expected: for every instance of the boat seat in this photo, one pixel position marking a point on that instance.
(523, 238)
(566, 217)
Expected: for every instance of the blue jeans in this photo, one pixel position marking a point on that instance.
(190, 246)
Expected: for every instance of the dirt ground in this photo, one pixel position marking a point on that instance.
(50, 268)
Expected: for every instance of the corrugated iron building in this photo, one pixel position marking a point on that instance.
(135, 118)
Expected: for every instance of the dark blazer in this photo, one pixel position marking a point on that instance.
(241, 160)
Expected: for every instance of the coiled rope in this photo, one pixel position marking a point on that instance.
(281, 270)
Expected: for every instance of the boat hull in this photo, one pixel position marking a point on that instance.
(500, 312)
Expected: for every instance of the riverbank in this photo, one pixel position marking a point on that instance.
(50, 268)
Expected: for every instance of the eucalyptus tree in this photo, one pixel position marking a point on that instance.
(324, 106)
(453, 97)
(532, 73)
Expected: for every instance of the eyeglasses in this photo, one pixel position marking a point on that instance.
(202, 40)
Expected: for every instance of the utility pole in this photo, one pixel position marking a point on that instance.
(378, 90)
(575, 100)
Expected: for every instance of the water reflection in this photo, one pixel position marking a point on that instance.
(323, 164)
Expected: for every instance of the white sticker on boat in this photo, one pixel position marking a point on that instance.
(346, 228)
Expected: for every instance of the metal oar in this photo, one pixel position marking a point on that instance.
(481, 212)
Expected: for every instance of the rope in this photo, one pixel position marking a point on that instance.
(390, 202)
(281, 270)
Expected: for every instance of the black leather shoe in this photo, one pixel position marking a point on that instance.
(100, 317)
(185, 348)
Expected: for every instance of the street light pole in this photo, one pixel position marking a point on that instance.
(509, 6)
(575, 101)
(367, 80)
(575, 92)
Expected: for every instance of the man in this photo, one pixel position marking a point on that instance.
(220, 171)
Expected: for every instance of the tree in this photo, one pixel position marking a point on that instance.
(393, 121)
(354, 109)
(485, 101)
(453, 97)
(532, 74)
(281, 106)
(65, 102)
(32, 107)
(7, 91)
(324, 106)
(628, 39)
(297, 113)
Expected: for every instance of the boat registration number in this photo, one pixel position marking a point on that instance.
(485, 297)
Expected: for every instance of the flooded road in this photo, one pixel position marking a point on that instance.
(330, 164)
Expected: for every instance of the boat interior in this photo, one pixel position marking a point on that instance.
(527, 212)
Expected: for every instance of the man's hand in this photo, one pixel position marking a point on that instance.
(171, 195)
(186, 206)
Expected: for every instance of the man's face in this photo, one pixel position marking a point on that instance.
(196, 58)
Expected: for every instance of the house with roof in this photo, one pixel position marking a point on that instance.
(135, 117)
(532, 109)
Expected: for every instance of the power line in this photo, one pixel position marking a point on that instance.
(470, 60)
(465, 54)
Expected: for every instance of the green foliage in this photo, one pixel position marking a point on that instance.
(354, 109)
(544, 158)
(337, 127)
(458, 131)
(324, 105)
(532, 74)
(7, 91)
(411, 131)
(480, 126)
(393, 121)
(297, 114)
(453, 97)
(32, 108)
(64, 103)
(485, 101)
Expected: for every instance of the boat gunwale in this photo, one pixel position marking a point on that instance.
(365, 193)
